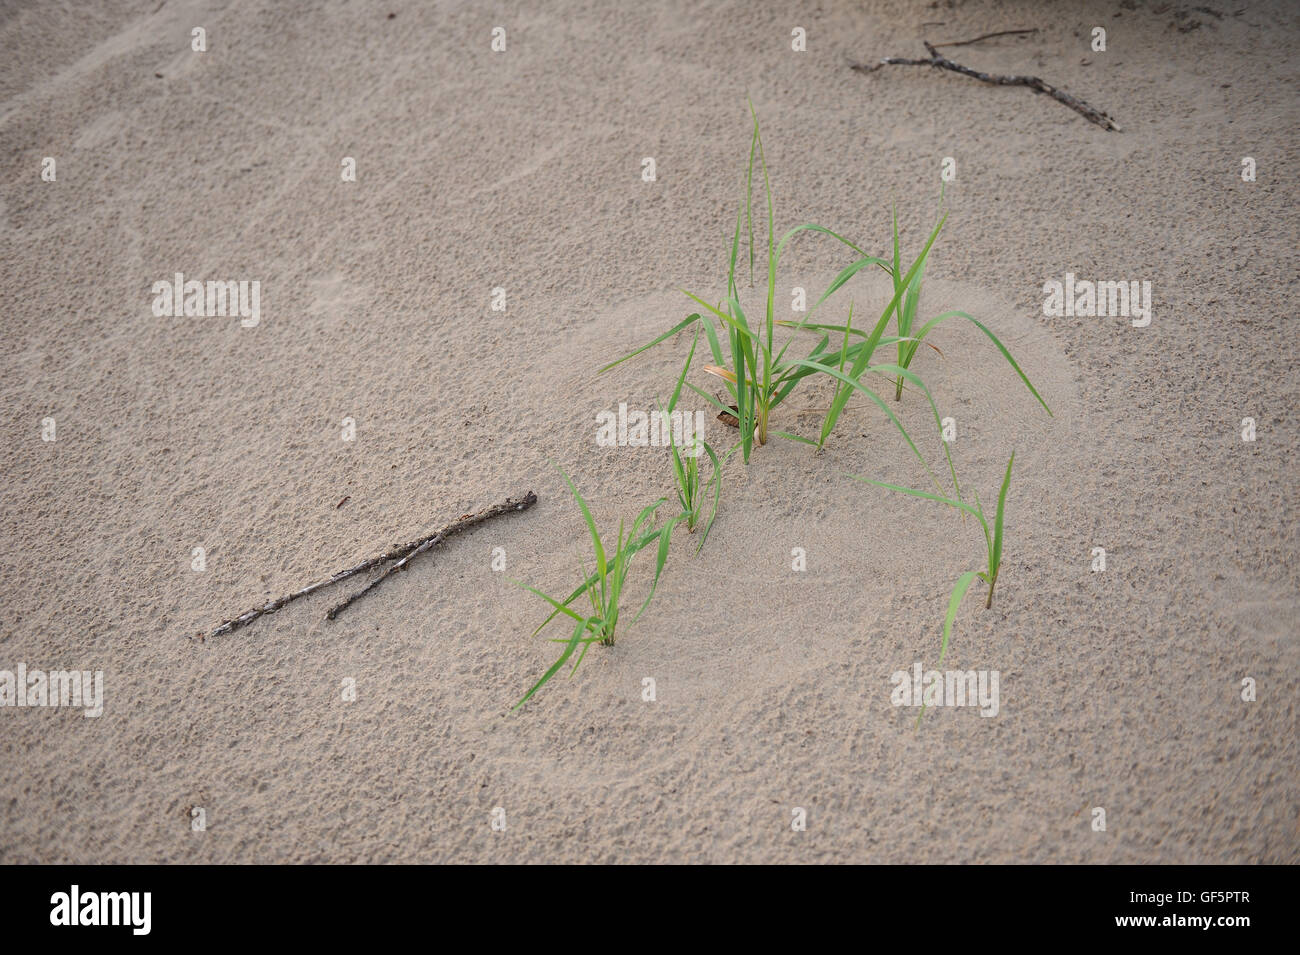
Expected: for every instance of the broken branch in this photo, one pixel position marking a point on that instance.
(401, 554)
(455, 527)
(939, 61)
(986, 36)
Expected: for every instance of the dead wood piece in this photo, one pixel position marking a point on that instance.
(938, 60)
(986, 36)
(402, 554)
(464, 522)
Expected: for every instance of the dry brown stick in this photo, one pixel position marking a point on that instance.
(397, 553)
(455, 527)
(1033, 82)
(986, 36)
(230, 626)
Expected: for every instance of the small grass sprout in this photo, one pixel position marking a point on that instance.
(909, 342)
(691, 495)
(992, 542)
(604, 586)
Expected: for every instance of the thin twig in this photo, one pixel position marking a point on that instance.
(230, 626)
(1034, 83)
(455, 527)
(986, 36)
(401, 553)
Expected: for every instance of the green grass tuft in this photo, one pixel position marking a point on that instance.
(604, 586)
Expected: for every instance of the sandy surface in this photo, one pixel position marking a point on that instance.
(522, 169)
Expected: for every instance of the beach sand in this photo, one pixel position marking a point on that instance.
(522, 170)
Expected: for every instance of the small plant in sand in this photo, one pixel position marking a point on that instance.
(909, 342)
(604, 586)
(691, 495)
(756, 372)
(907, 297)
(992, 543)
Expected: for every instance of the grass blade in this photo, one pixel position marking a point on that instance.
(555, 667)
(880, 403)
(997, 520)
(601, 566)
(925, 330)
(672, 402)
(666, 335)
(958, 592)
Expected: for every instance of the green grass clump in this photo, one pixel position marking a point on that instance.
(992, 542)
(604, 586)
(756, 372)
(904, 306)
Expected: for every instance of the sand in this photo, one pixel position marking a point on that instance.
(1119, 690)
